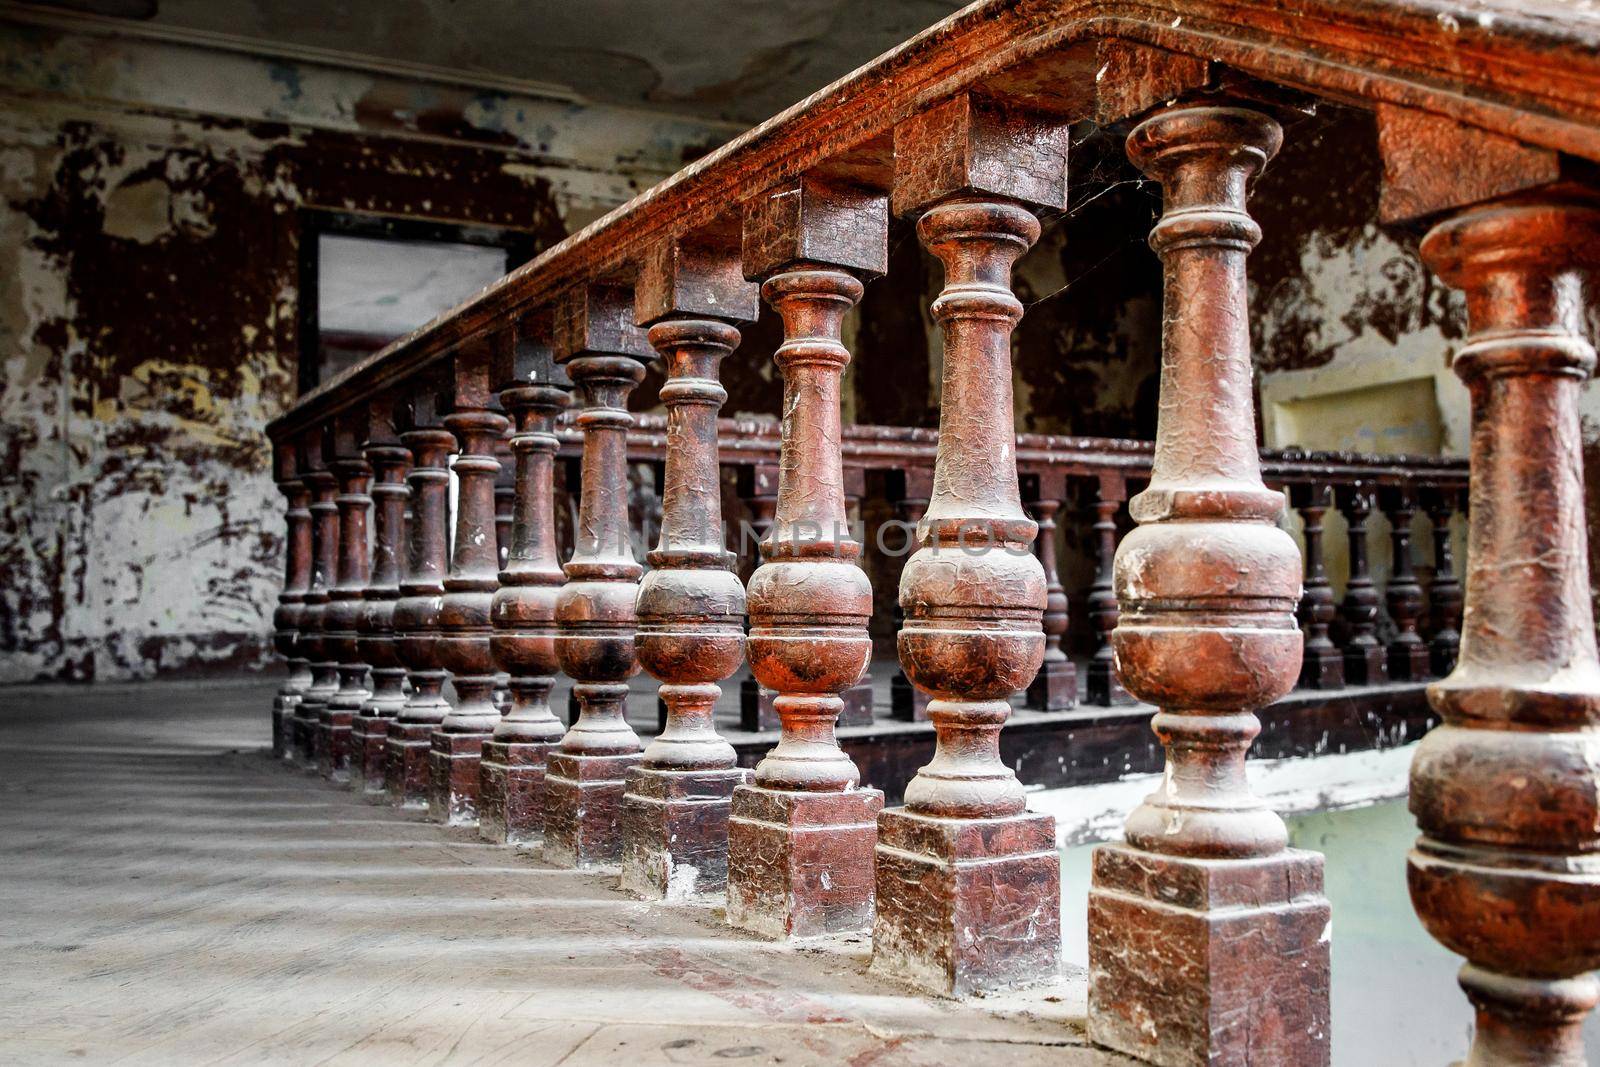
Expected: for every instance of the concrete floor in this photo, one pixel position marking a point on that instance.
(172, 896)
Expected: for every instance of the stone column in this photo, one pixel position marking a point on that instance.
(1444, 591)
(1104, 686)
(369, 730)
(469, 588)
(968, 880)
(1322, 665)
(1507, 790)
(1055, 687)
(800, 838)
(416, 615)
(511, 774)
(324, 568)
(691, 604)
(1407, 654)
(296, 581)
(1208, 937)
(605, 354)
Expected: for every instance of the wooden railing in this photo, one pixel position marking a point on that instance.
(1489, 123)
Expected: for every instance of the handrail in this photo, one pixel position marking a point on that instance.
(1528, 70)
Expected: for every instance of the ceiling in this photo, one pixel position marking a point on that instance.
(741, 60)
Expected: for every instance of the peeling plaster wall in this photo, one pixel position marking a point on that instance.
(149, 234)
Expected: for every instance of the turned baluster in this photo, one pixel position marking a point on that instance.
(469, 588)
(1055, 687)
(1322, 666)
(342, 616)
(801, 837)
(858, 698)
(1407, 653)
(906, 702)
(691, 604)
(759, 488)
(409, 745)
(585, 777)
(324, 568)
(296, 582)
(369, 730)
(973, 593)
(1507, 791)
(511, 772)
(504, 502)
(1365, 662)
(1103, 683)
(1444, 591)
(1205, 914)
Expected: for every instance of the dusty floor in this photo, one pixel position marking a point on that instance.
(171, 896)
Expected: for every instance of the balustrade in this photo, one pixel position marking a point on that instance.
(1206, 610)
(512, 768)
(369, 729)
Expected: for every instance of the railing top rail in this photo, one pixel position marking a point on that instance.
(1526, 68)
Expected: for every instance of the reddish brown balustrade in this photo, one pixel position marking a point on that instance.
(324, 489)
(286, 619)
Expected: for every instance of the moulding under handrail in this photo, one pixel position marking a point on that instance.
(1529, 69)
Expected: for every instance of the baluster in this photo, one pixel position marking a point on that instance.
(973, 593)
(1104, 685)
(1506, 791)
(691, 604)
(1207, 935)
(1322, 666)
(858, 698)
(1055, 687)
(504, 503)
(605, 354)
(1407, 654)
(409, 745)
(369, 730)
(324, 566)
(296, 582)
(464, 624)
(801, 837)
(511, 772)
(342, 616)
(756, 711)
(1444, 591)
(1365, 662)
(908, 703)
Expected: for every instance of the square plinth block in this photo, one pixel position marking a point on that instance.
(800, 864)
(1198, 962)
(282, 731)
(368, 734)
(305, 737)
(857, 710)
(1103, 688)
(407, 764)
(907, 703)
(675, 831)
(967, 905)
(1322, 669)
(511, 791)
(453, 778)
(1054, 688)
(583, 808)
(1366, 664)
(1408, 661)
(333, 744)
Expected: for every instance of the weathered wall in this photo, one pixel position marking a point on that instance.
(148, 232)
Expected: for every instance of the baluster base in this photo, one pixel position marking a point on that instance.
(1442, 656)
(675, 831)
(511, 791)
(1054, 688)
(333, 744)
(453, 777)
(1366, 664)
(582, 808)
(857, 709)
(800, 864)
(1103, 688)
(1322, 669)
(303, 753)
(283, 730)
(1195, 961)
(967, 905)
(368, 737)
(1408, 661)
(757, 712)
(406, 764)
(907, 703)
